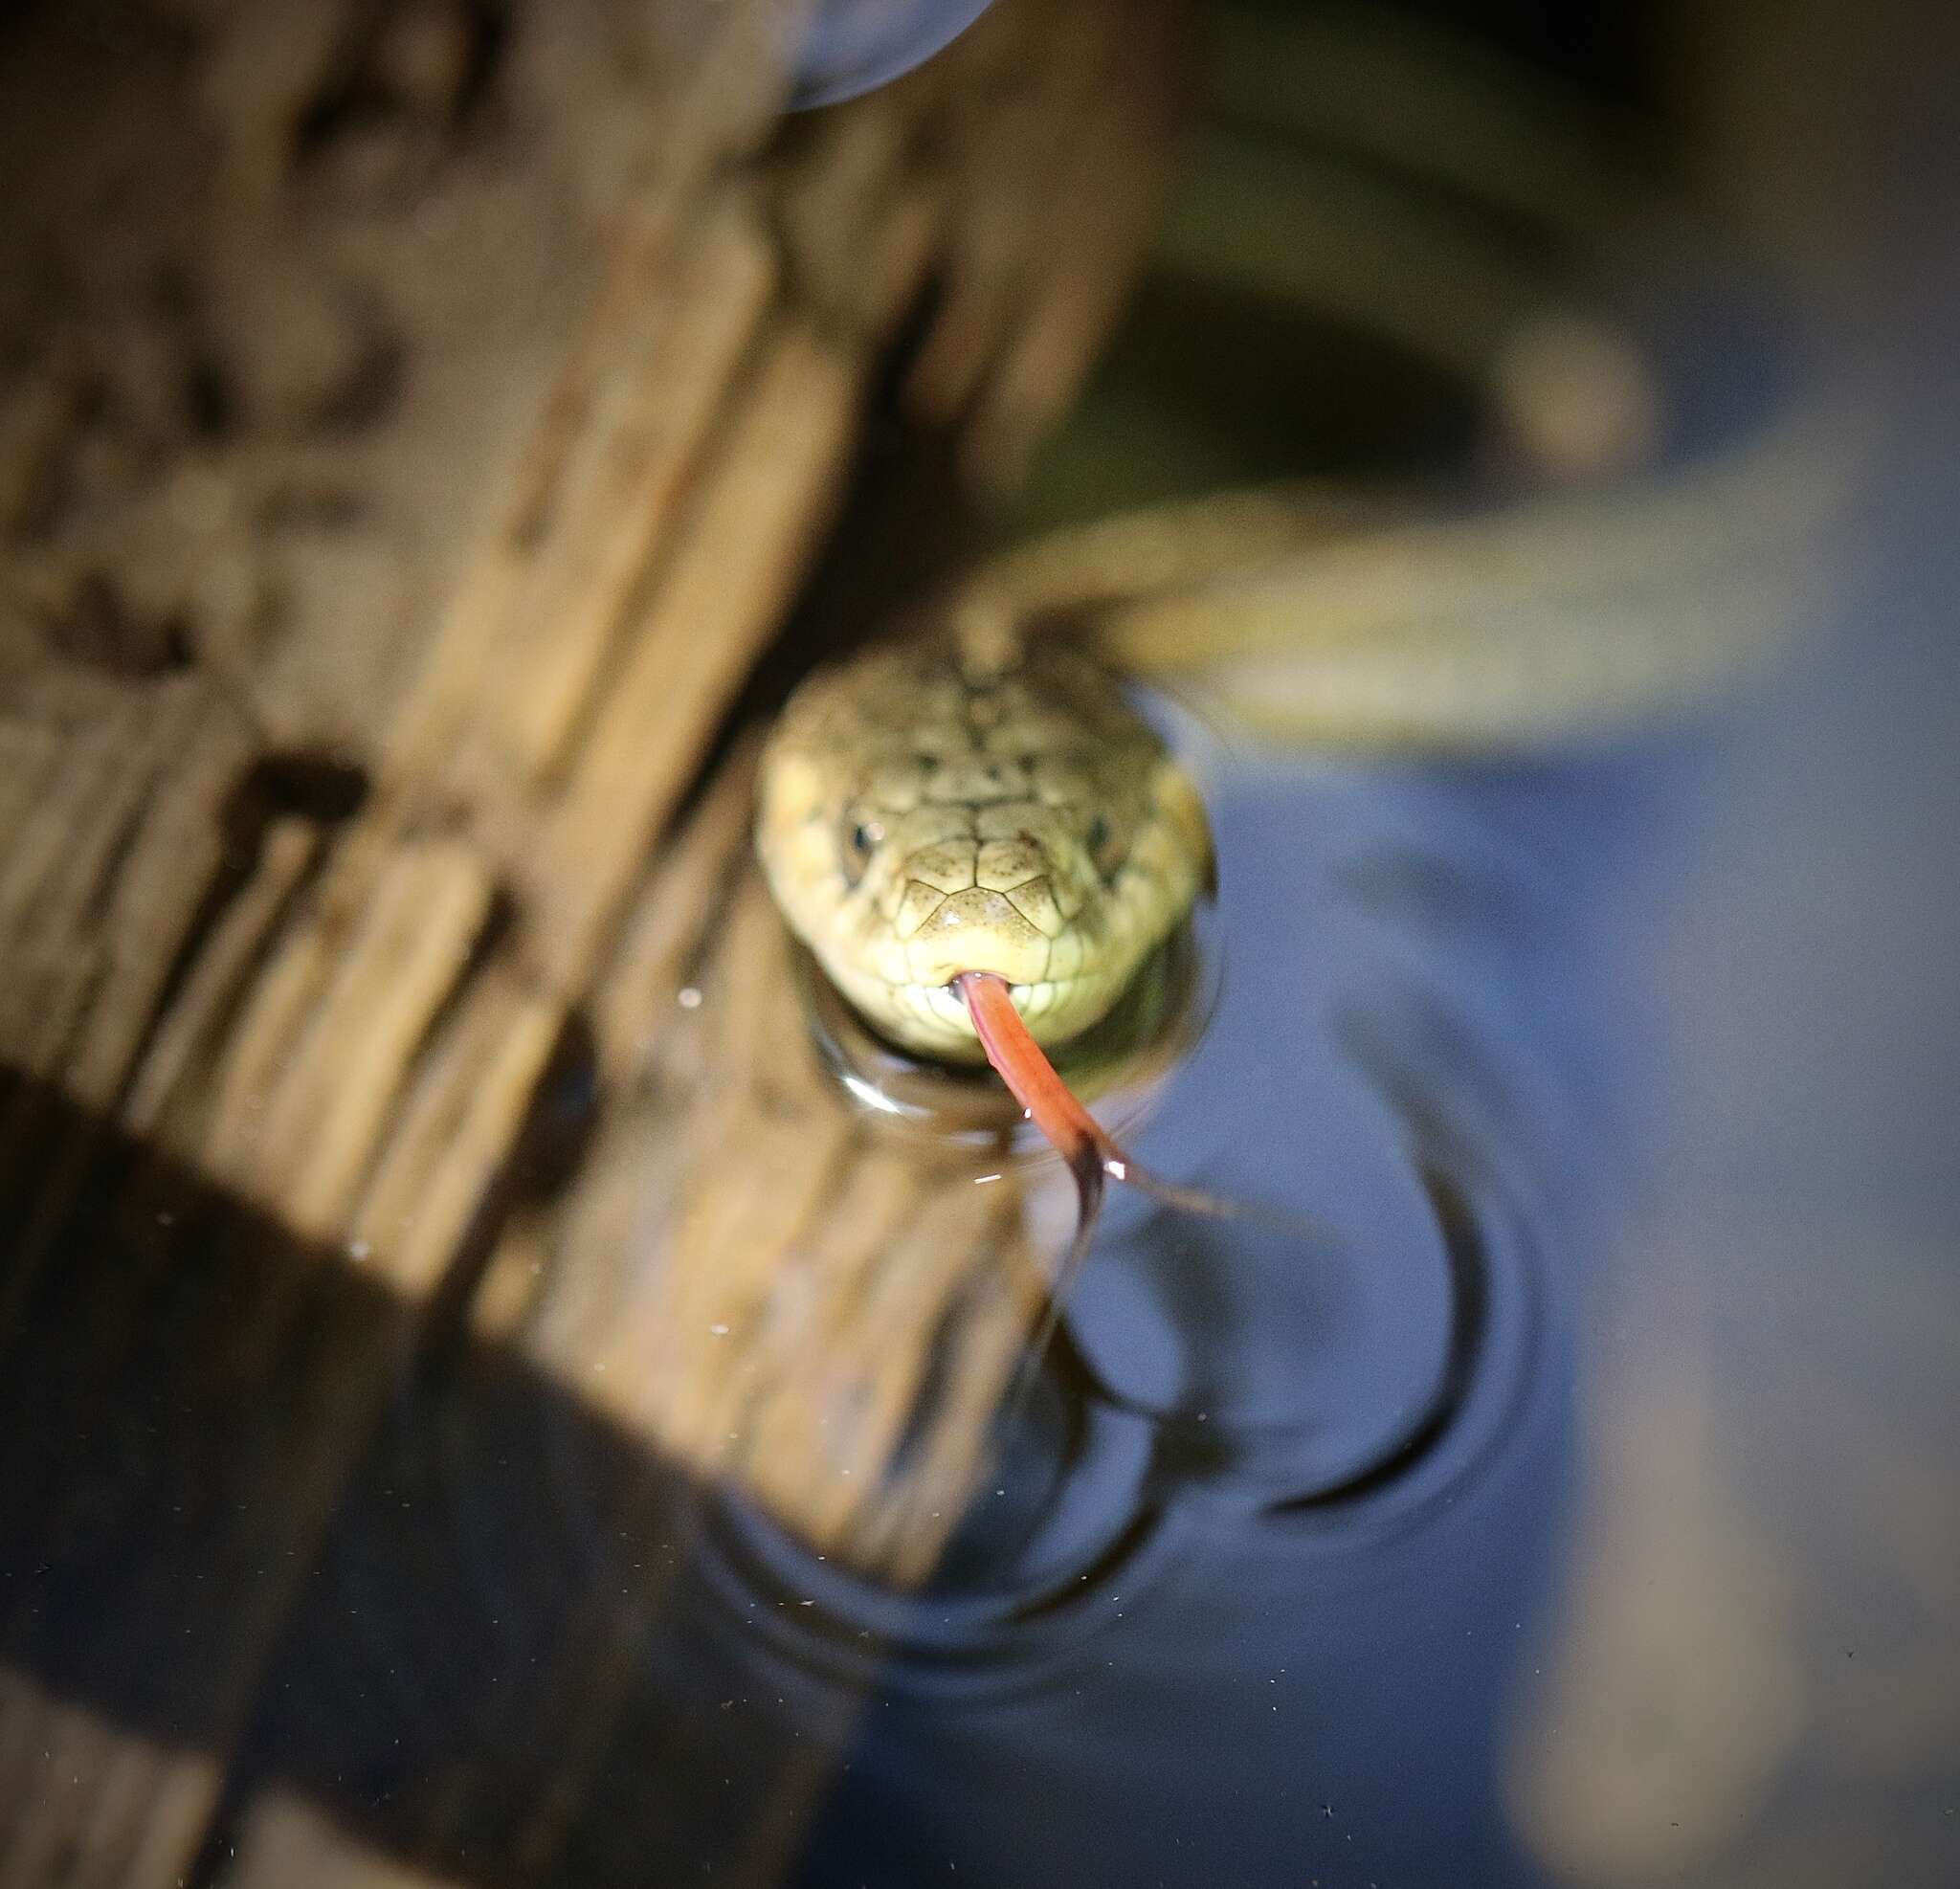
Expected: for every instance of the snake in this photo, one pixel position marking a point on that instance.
(986, 799)
(931, 811)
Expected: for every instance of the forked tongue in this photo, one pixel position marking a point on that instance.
(1092, 1156)
(1052, 1106)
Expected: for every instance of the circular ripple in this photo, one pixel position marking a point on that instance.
(1066, 1517)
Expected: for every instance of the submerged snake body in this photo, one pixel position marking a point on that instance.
(931, 811)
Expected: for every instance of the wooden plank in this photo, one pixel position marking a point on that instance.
(772, 487)
(260, 1527)
(342, 1047)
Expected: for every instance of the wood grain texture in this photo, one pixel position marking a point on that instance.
(388, 1073)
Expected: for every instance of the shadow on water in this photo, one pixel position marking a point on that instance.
(483, 1602)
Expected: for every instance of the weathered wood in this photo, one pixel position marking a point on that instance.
(471, 459)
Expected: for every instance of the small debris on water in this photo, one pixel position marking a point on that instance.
(358, 1249)
(719, 1332)
(689, 997)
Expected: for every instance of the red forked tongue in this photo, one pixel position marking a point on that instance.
(1077, 1138)
(1019, 1061)
(1080, 1140)
(1052, 1106)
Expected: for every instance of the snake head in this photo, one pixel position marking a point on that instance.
(919, 816)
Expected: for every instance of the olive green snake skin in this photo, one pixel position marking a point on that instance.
(986, 800)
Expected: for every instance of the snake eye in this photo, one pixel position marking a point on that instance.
(1106, 853)
(860, 838)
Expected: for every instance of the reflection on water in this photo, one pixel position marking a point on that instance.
(850, 46)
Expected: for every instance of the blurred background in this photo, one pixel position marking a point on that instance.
(486, 1405)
